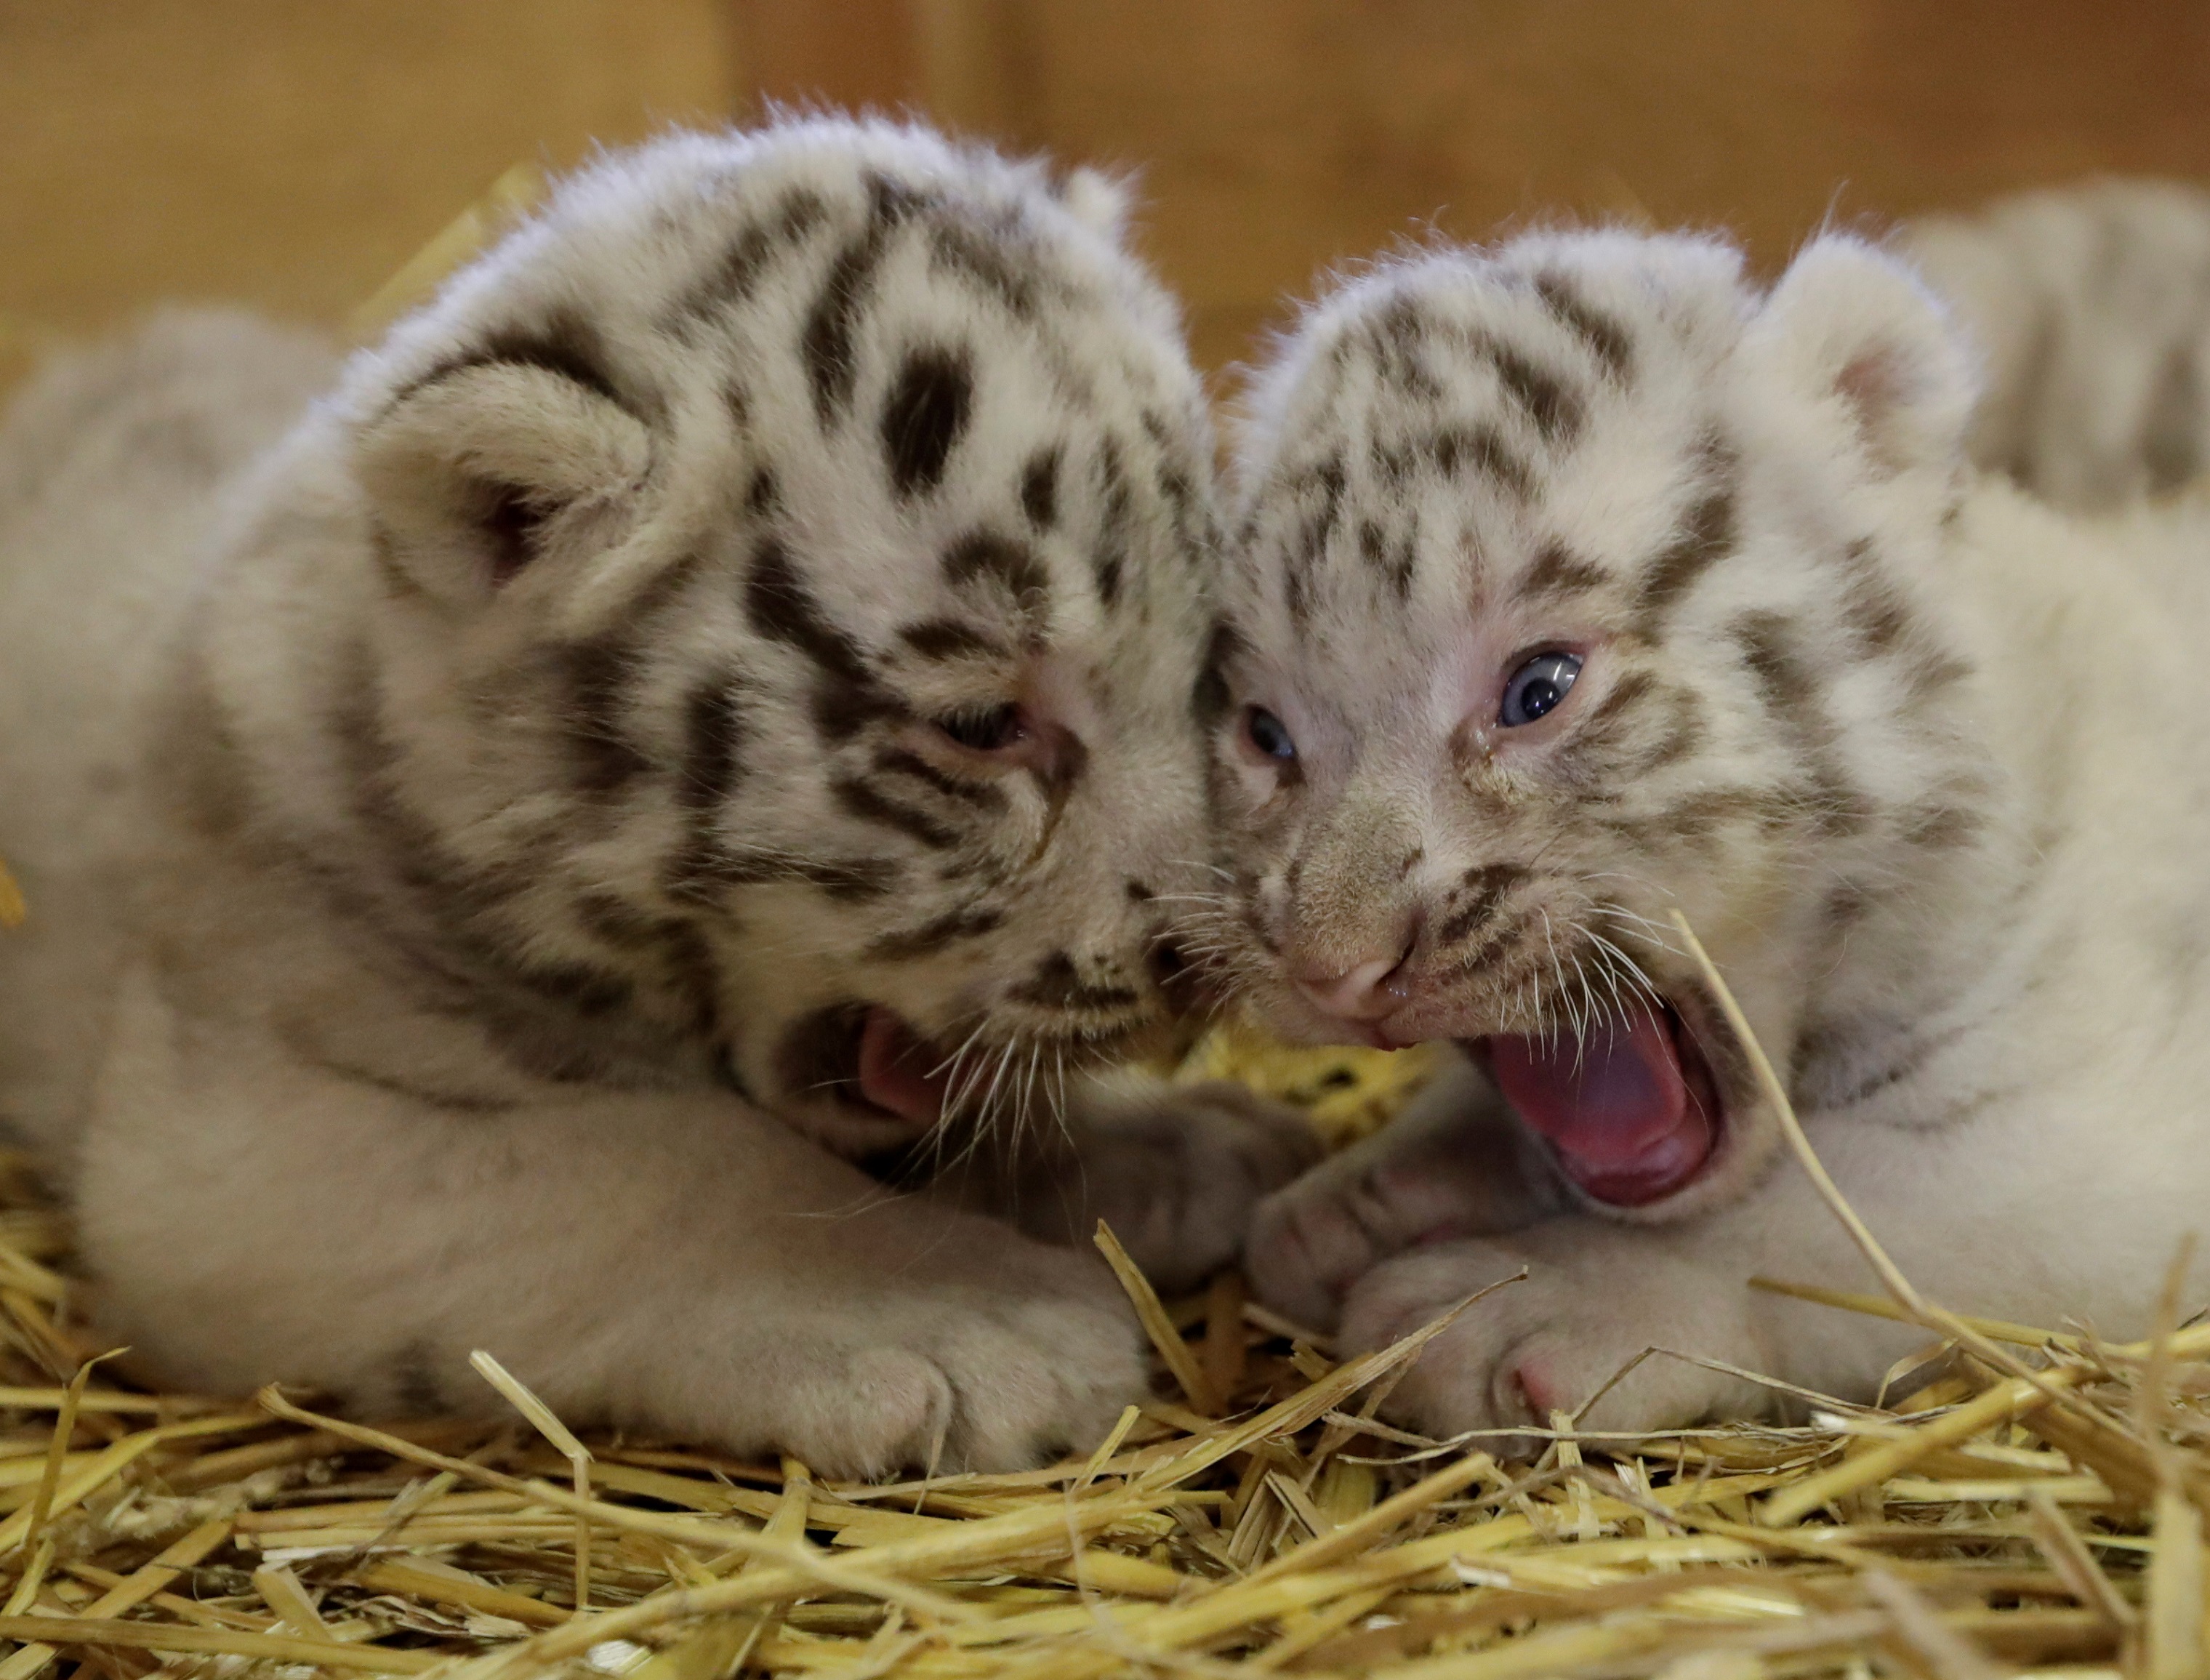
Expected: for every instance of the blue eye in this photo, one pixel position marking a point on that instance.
(1266, 732)
(1536, 687)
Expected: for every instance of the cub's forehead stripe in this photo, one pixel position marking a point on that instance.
(832, 369)
(1556, 410)
(1606, 341)
(832, 366)
(732, 279)
(941, 639)
(958, 251)
(1039, 488)
(925, 416)
(988, 557)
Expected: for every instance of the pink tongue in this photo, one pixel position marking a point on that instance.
(1613, 1105)
(895, 1070)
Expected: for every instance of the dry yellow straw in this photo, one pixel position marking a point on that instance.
(12, 910)
(52, 1631)
(564, 1442)
(1873, 1306)
(1156, 1325)
(127, 1594)
(281, 1591)
(42, 1503)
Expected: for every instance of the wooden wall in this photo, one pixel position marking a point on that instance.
(293, 154)
(1278, 137)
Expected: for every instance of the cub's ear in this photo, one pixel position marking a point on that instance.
(1098, 201)
(1853, 327)
(480, 474)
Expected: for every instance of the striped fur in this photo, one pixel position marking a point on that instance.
(1918, 758)
(2090, 306)
(757, 602)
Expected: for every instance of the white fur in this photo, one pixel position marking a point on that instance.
(2091, 307)
(1978, 958)
(432, 827)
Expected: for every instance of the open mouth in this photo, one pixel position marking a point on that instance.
(1631, 1108)
(895, 1070)
(901, 1073)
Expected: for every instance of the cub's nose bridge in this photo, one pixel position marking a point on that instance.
(1362, 854)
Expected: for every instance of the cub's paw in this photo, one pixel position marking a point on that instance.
(963, 1378)
(1176, 1171)
(1312, 1240)
(1596, 1297)
(1459, 1170)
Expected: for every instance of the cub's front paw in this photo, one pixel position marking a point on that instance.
(1177, 1171)
(1596, 1295)
(1461, 1169)
(1312, 1240)
(962, 1377)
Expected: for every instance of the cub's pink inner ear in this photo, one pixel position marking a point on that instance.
(1849, 324)
(1877, 384)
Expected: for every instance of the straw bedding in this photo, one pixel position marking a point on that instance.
(2021, 1500)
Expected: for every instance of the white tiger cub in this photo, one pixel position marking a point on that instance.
(2091, 306)
(1578, 582)
(710, 700)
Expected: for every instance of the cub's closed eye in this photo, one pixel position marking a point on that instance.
(1537, 688)
(1268, 735)
(991, 729)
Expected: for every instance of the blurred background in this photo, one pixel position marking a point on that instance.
(295, 154)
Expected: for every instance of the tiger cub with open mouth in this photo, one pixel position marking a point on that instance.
(1578, 582)
(705, 707)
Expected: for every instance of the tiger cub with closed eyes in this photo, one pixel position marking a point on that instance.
(1578, 582)
(705, 708)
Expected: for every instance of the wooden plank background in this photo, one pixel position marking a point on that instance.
(293, 155)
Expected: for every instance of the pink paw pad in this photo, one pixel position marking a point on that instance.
(1540, 1387)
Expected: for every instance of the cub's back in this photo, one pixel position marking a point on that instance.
(113, 463)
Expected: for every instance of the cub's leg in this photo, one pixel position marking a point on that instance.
(1174, 1169)
(679, 1264)
(1455, 1163)
(1944, 1203)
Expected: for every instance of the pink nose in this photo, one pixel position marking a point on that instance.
(1354, 993)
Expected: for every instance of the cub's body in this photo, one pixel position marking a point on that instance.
(2087, 304)
(1920, 758)
(115, 471)
(704, 707)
